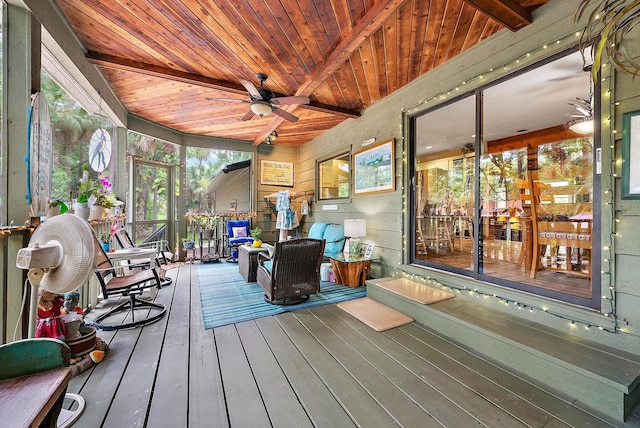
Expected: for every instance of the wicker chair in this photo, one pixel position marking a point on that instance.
(293, 273)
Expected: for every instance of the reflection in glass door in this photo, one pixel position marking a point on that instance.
(505, 189)
(445, 186)
(151, 200)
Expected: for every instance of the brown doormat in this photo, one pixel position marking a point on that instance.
(415, 291)
(374, 314)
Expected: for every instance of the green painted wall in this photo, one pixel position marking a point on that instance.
(552, 31)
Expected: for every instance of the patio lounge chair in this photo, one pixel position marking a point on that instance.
(128, 281)
(293, 273)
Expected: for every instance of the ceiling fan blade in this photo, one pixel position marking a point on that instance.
(290, 100)
(227, 100)
(248, 116)
(285, 114)
(250, 87)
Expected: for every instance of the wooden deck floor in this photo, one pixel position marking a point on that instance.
(312, 368)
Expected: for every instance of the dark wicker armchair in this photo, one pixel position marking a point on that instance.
(293, 273)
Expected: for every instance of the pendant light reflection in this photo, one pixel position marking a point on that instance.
(271, 137)
(582, 126)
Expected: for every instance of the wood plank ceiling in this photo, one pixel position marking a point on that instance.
(178, 62)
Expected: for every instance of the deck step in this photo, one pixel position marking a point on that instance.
(601, 377)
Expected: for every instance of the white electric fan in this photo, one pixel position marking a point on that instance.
(60, 258)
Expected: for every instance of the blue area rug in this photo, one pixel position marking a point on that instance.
(227, 298)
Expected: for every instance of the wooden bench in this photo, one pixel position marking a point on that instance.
(34, 374)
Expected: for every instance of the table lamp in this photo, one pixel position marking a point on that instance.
(353, 230)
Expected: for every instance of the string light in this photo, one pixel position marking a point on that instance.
(518, 62)
(509, 302)
(608, 252)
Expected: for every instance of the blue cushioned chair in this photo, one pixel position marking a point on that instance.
(239, 232)
(333, 234)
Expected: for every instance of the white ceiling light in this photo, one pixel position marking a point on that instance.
(260, 108)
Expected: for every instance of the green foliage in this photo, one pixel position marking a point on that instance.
(63, 207)
(106, 200)
(608, 28)
(72, 128)
(255, 233)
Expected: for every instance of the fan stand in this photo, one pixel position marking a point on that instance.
(66, 418)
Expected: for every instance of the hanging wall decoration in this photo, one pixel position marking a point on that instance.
(100, 150)
(39, 161)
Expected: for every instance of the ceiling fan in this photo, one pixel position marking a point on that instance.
(263, 101)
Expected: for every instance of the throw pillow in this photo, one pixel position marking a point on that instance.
(270, 248)
(239, 232)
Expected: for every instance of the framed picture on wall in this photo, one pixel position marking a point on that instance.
(631, 155)
(368, 251)
(233, 205)
(374, 169)
(276, 173)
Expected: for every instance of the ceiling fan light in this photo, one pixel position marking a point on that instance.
(260, 108)
(582, 126)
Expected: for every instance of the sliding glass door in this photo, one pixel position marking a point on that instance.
(504, 187)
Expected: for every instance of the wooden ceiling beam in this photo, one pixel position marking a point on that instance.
(123, 64)
(369, 24)
(532, 139)
(507, 12)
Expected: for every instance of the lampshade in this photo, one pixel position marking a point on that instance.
(354, 228)
(261, 108)
(582, 125)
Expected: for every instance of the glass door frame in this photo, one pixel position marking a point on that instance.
(410, 256)
(171, 208)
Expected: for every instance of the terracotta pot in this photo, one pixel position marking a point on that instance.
(85, 343)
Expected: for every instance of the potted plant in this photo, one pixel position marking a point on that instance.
(105, 241)
(255, 234)
(188, 244)
(56, 207)
(607, 29)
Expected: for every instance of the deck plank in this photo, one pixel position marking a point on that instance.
(99, 384)
(359, 365)
(205, 379)
(358, 403)
(132, 398)
(172, 380)
(413, 375)
(321, 405)
(283, 407)
(318, 367)
(417, 337)
(244, 402)
(443, 393)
